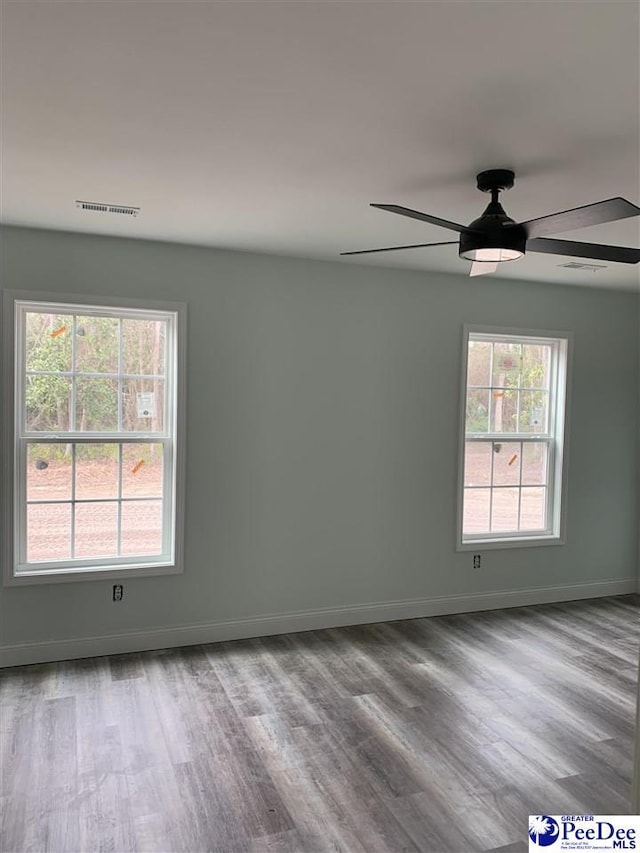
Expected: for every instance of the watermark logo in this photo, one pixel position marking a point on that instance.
(584, 832)
(543, 830)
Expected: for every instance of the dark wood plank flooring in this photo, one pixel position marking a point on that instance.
(431, 735)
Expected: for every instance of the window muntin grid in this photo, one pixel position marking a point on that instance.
(102, 481)
(514, 472)
(56, 357)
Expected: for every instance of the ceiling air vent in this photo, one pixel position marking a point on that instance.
(573, 265)
(101, 207)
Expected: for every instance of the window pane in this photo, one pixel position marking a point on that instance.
(533, 510)
(96, 529)
(536, 359)
(504, 512)
(477, 464)
(476, 511)
(479, 363)
(141, 527)
(477, 416)
(534, 463)
(48, 472)
(506, 463)
(143, 405)
(507, 361)
(504, 410)
(534, 408)
(47, 403)
(96, 470)
(48, 532)
(144, 346)
(48, 341)
(97, 344)
(142, 470)
(96, 404)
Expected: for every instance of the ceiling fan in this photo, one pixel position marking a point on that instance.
(495, 237)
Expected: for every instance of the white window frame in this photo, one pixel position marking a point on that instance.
(16, 439)
(556, 438)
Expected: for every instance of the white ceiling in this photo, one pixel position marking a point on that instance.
(271, 126)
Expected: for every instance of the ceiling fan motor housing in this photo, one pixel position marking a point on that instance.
(493, 230)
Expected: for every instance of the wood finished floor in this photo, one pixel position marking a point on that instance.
(433, 735)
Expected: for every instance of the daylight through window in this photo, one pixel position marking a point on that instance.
(513, 437)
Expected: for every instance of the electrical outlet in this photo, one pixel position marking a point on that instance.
(118, 592)
(476, 561)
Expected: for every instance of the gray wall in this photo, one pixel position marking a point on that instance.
(322, 433)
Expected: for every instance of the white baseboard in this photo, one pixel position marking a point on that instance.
(308, 620)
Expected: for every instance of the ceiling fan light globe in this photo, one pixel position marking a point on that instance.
(492, 255)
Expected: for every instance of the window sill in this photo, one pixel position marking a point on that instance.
(519, 542)
(49, 576)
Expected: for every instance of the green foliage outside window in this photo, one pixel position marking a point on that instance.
(89, 348)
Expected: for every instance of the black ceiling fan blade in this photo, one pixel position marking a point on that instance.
(595, 251)
(423, 217)
(395, 248)
(610, 210)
